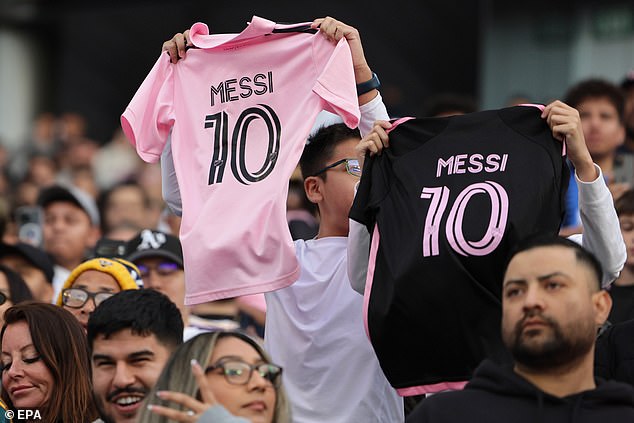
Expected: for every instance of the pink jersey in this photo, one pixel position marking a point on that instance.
(239, 108)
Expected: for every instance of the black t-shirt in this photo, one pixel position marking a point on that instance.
(449, 197)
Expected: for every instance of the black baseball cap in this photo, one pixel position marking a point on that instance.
(33, 255)
(151, 243)
(70, 194)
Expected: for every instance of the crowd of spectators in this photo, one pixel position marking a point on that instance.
(89, 249)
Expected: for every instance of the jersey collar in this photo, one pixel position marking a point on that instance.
(200, 37)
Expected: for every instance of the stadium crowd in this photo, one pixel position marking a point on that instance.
(95, 325)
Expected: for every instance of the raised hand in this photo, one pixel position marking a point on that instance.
(565, 123)
(194, 407)
(177, 46)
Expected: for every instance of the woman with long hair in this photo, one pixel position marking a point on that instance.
(45, 365)
(219, 376)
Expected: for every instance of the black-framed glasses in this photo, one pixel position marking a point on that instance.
(237, 372)
(164, 268)
(77, 297)
(352, 167)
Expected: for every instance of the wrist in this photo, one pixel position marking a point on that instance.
(586, 171)
(368, 85)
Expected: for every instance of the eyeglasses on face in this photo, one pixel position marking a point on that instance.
(77, 297)
(352, 167)
(164, 268)
(238, 372)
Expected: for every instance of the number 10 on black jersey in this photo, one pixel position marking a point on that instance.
(439, 197)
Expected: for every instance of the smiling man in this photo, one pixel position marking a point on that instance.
(552, 308)
(131, 336)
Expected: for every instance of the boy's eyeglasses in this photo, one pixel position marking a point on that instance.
(352, 167)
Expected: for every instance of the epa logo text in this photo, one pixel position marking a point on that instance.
(25, 414)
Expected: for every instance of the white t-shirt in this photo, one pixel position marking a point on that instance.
(314, 330)
(59, 277)
(190, 331)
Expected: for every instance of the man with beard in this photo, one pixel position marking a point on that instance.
(552, 307)
(131, 336)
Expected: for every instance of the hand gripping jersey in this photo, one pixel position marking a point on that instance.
(239, 109)
(444, 203)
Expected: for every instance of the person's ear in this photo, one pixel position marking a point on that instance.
(602, 305)
(313, 185)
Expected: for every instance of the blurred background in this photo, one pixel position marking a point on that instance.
(89, 57)
(68, 69)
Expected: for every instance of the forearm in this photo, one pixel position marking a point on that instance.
(358, 236)
(370, 112)
(601, 230)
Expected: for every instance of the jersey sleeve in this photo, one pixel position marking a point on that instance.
(335, 83)
(376, 179)
(149, 117)
(373, 188)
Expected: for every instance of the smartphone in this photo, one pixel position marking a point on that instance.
(29, 221)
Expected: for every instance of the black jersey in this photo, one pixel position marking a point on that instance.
(445, 202)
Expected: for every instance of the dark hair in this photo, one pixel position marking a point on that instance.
(625, 203)
(145, 312)
(18, 289)
(594, 89)
(59, 339)
(321, 146)
(443, 103)
(546, 240)
(628, 80)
